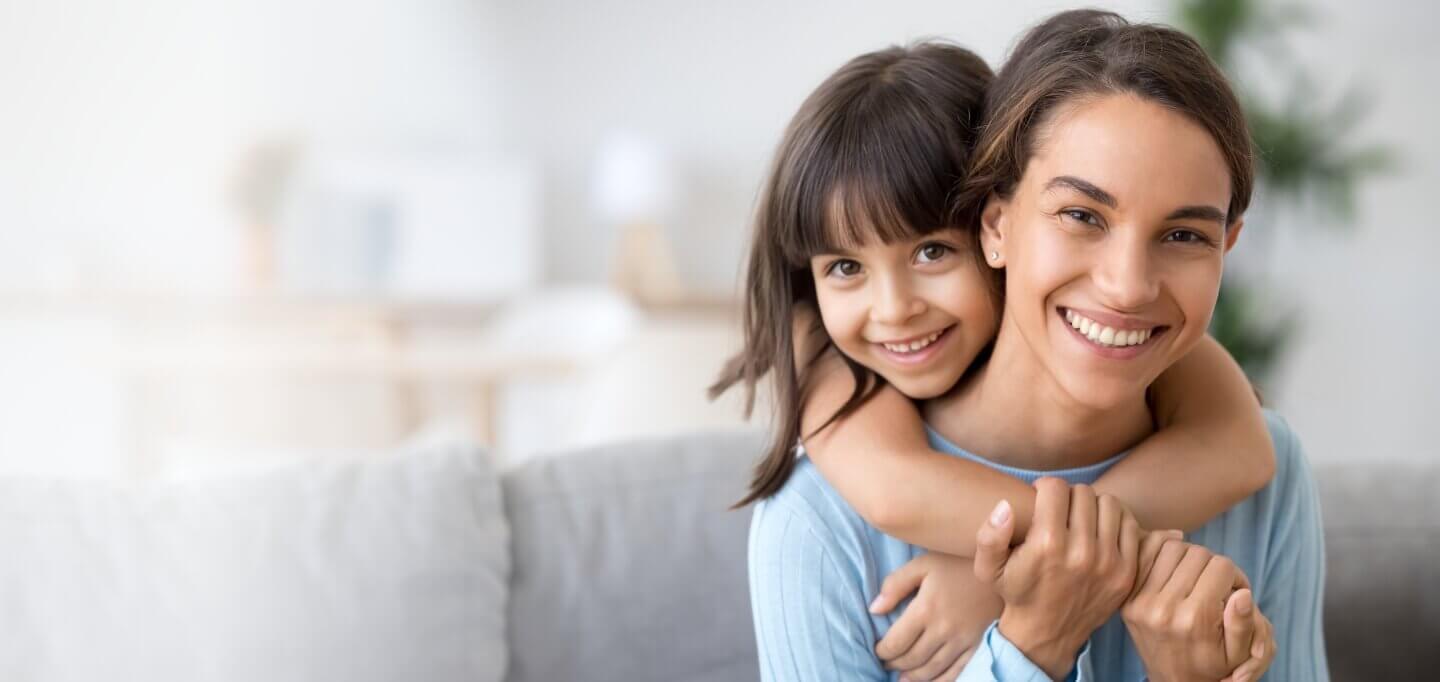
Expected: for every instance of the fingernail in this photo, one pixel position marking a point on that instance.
(1001, 514)
(1177, 534)
(1244, 604)
(875, 605)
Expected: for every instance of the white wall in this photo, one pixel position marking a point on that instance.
(123, 121)
(713, 83)
(121, 125)
(716, 83)
(1362, 381)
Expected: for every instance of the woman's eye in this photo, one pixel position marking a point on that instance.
(1081, 215)
(1187, 237)
(844, 268)
(930, 253)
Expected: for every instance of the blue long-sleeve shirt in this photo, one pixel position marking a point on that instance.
(815, 565)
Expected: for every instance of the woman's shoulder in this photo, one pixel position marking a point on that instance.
(807, 504)
(1291, 465)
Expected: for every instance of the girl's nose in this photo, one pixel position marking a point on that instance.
(894, 302)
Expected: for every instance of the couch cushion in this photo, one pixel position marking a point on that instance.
(629, 565)
(382, 570)
(1382, 594)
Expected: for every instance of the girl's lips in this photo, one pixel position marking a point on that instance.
(919, 356)
(1110, 352)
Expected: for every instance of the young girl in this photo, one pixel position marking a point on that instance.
(854, 222)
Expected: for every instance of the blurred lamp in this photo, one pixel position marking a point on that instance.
(632, 195)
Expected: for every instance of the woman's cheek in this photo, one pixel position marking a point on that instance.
(1053, 259)
(1198, 289)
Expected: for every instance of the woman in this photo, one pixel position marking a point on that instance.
(1112, 176)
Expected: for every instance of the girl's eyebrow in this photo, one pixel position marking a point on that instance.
(1196, 212)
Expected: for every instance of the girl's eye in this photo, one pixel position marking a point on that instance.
(843, 268)
(1081, 215)
(1187, 237)
(932, 252)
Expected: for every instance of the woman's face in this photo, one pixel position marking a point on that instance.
(1113, 245)
(916, 312)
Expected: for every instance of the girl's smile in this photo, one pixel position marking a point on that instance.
(915, 350)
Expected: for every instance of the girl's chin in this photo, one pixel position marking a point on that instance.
(929, 385)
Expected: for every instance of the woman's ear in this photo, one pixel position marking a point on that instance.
(1232, 233)
(993, 228)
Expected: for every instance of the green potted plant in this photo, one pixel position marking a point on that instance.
(1306, 157)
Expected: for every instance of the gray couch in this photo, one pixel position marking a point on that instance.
(628, 565)
(620, 563)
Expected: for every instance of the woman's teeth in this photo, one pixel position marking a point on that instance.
(1107, 336)
(913, 346)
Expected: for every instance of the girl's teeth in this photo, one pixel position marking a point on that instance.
(1107, 336)
(913, 345)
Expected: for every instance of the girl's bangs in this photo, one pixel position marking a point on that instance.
(861, 210)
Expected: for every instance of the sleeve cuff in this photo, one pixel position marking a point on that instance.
(999, 660)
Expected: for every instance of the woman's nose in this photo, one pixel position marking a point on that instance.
(895, 302)
(1125, 275)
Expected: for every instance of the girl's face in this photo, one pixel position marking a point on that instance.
(1113, 245)
(916, 312)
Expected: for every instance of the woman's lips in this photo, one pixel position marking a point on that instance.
(1119, 342)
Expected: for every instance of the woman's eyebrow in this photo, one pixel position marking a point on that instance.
(1207, 213)
(1084, 187)
(1197, 212)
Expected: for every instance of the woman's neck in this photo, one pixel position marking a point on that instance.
(1013, 412)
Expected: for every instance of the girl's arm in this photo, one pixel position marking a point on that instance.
(1214, 444)
(879, 460)
(1212, 449)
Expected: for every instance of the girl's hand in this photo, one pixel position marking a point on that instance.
(937, 634)
(1186, 617)
(1074, 570)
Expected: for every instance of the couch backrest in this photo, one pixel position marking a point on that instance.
(358, 570)
(628, 566)
(1382, 587)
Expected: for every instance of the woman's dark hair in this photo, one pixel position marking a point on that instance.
(1089, 52)
(878, 151)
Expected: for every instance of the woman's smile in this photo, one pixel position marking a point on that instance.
(1110, 336)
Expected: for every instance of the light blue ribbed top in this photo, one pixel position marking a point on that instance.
(815, 565)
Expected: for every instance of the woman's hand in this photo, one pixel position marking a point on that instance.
(937, 634)
(1074, 570)
(1193, 618)
(1240, 625)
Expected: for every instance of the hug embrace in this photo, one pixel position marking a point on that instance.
(1004, 446)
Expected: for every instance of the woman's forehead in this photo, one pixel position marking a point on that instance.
(1140, 153)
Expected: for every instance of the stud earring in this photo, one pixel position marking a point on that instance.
(994, 255)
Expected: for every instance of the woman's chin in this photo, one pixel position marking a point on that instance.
(1101, 392)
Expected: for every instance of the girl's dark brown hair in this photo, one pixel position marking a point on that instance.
(878, 151)
(1084, 53)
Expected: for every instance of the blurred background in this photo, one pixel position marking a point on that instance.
(235, 233)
